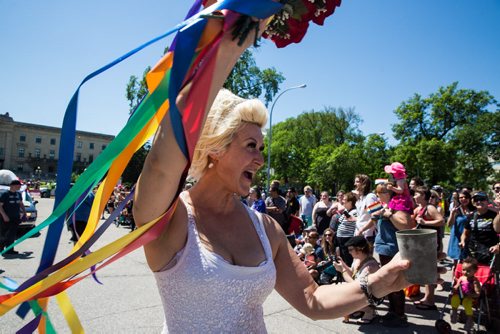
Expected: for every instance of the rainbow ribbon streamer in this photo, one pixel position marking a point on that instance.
(195, 41)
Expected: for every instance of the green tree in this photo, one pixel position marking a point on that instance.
(134, 167)
(465, 121)
(249, 81)
(136, 90)
(297, 142)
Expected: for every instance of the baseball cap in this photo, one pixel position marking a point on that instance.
(480, 195)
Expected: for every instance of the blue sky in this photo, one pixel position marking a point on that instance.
(370, 55)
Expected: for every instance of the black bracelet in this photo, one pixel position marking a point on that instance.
(372, 300)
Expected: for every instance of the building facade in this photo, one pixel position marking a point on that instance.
(32, 151)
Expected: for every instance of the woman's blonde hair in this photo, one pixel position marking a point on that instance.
(228, 113)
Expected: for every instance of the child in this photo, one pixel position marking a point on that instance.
(306, 254)
(402, 200)
(466, 289)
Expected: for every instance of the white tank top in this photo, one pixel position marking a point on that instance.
(203, 293)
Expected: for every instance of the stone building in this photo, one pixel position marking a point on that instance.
(32, 150)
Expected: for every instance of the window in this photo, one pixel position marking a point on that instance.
(38, 140)
(22, 138)
(52, 141)
(91, 146)
(78, 156)
(37, 153)
(79, 144)
(103, 147)
(20, 167)
(1, 151)
(52, 154)
(20, 152)
(91, 158)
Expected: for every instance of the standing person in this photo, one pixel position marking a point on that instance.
(276, 206)
(459, 215)
(496, 190)
(364, 223)
(319, 215)
(480, 234)
(427, 217)
(217, 239)
(307, 205)
(386, 247)
(11, 206)
(258, 203)
(78, 221)
(346, 226)
(292, 203)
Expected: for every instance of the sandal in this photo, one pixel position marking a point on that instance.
(366, 321)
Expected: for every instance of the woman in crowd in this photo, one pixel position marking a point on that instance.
(217, 252)
(326, 256)
(480, 234)
(364, 223)
(427, 217)
(258, 203)
(386, 247)
(346, 226)
(319, 215)
(459, 215)
(362, 265)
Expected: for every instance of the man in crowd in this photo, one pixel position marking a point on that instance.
(306, 205)
(276, 206)
(11, 206)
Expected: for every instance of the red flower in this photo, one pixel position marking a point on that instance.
(326, 11)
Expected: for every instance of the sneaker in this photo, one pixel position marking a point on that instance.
(393, 320)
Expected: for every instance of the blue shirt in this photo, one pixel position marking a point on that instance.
(385, 240)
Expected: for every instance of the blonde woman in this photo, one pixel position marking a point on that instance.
(215, 250)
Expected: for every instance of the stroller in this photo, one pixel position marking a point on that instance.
(488, 301)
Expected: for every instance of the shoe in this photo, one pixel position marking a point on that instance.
(366, 321)
(454, 317)
(469, 323)
(357, 314)
(426, 307)
(393, 320)
(11, 252)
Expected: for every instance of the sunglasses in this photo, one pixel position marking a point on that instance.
(479, 199)
(328, 234)
(496, 188)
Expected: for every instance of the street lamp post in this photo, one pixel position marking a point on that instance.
(271, 132)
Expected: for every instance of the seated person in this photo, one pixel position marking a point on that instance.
(307, 255)
(466, 289)
(362, 265)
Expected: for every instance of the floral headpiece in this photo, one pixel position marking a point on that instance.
(290, 25)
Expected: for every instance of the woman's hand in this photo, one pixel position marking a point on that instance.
(338, 266)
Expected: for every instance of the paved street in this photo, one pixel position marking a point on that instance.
(128, 301)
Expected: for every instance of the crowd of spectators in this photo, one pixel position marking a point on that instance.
(352, 234)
